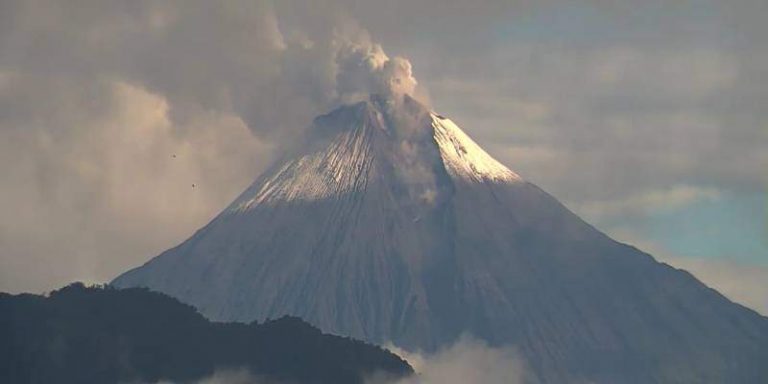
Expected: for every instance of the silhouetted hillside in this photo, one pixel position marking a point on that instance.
(104, 335)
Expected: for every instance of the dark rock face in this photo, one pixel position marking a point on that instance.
(391, 225)
(92, 335)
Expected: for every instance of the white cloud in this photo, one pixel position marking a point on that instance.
(652, 201)
(690, 73)
(241, 376)
(467, 361)
(612, 117)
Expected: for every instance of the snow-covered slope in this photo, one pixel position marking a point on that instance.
(391, 224)
(464, 158)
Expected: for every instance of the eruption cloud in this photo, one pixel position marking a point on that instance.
(365, 69)
(468, 360)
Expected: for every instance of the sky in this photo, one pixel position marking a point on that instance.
(647, 118)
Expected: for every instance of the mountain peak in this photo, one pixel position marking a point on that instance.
(421, 152)
(465, 158)
(391, 225)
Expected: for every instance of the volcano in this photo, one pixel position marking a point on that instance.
(389, 224)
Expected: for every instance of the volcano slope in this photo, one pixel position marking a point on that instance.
(390, 224)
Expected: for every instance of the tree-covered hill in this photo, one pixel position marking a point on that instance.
(103, 335)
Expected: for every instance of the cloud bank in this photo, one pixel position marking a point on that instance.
(469, 360)
(232, 376)
(110, 112)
